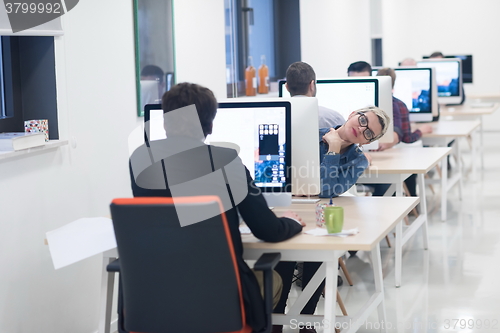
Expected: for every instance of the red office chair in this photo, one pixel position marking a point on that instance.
(180, 279)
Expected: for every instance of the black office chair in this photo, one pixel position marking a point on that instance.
(180, 279)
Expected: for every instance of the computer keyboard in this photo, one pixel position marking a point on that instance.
(481, 105)
(304, 200)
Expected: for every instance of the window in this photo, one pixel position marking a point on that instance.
(260, 31)
(28, 82)
(376, 51)
(154, 50)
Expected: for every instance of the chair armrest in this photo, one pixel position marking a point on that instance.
(266, 264)
(114, 266)
(267, 261)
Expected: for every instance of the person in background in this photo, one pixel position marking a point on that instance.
(436, 55)
(154, 73)
(439, 55)
(408, 62)
(301, 81)
(359, 68)
(402, 133)
(401, 117)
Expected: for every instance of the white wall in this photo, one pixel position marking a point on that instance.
(97, 107)
(417, 28)
(200, 51)
(95, 73)
(334, 34)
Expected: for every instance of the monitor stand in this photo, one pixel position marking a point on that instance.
(278, 199)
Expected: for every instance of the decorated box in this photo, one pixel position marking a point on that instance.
(37, 126)
(320, 218)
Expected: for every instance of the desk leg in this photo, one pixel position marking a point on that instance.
(330, 294)
(399, 252)
(474, 156)
(444, 187)
(460, 170)
(379, 285)
(399, 188)
(107, 285)
(423, 208)
(399, 239)
(481, 141)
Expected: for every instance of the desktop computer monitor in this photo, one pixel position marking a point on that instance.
(467, 73)
(262, 131)
(448, 78)
(305, 166)
(416, 87)
(349, 94)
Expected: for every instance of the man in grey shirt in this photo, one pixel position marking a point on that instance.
(301, 81)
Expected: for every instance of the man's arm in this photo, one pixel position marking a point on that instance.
(263, 223)
(407, 135)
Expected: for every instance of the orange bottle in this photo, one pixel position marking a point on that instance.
(250, 79)
(263, 76)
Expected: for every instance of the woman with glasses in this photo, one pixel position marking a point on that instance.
(342, 161)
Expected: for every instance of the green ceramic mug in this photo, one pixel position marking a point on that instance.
(334, 219)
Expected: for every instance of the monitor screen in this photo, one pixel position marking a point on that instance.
(349, 94)
(448, 78)
(262, 130)
(413, 87)
(343, 96)
(467, 73)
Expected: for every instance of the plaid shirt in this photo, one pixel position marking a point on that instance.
(401, 119)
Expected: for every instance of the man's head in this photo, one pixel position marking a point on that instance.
(154, 73)
(408, 62)
(365, 125)
(301, 79)
(359, 68)
(184, 94)
(436, 55)
(386, 71)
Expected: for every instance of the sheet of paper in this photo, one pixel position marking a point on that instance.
(80, 239)
(324, 232)
(245, 230)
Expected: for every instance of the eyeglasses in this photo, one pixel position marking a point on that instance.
(363, 122)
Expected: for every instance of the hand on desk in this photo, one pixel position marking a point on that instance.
(425, 128)
(294, 216)
(385, 145)
(369, 158)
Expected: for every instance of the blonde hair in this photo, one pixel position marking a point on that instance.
(383, 118)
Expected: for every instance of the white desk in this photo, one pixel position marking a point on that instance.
(444, 132)
(375, 217)
(472, 111)
(393, 166)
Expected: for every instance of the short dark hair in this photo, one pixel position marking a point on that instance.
(386, 71)
(153, 70)
(360, 66)
(184, 94)
(436, 54)
(298, 77)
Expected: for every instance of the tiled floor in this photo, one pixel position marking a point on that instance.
(455, 285)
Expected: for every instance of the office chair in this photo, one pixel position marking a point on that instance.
(180, 279)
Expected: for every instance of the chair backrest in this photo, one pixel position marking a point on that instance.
(176, 279)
